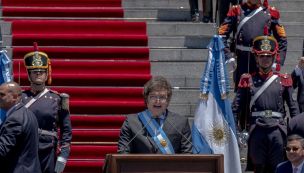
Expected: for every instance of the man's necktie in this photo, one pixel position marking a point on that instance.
(295, 170)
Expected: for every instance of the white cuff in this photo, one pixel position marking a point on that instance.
(61, 159)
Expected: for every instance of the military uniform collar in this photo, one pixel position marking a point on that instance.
(252, 7)
(265, 75)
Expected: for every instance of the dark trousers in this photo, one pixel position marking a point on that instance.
(193, 6)
(47, 153)
(223, 8)
(47, 159)
(266, 148)
(208, 8)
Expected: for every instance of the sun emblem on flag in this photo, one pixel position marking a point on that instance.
(219, 134)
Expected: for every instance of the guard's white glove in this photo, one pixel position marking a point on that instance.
(231, 64)
(60, 164)
(62, 159)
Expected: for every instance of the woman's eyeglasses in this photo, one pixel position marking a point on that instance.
(154, 98)
(292, 149)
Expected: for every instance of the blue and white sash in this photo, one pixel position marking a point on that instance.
(156, 132)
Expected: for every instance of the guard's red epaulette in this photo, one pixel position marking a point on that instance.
(275, 14)
(235, 10)
(245, 81)
(286, 80)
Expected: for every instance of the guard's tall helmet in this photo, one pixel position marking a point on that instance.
(265, 45)
(37, 61)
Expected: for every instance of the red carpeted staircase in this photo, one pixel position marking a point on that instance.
(102, 64)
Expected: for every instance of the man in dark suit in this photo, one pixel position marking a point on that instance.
(18, 133)
(295, 155)
(298, 82)
(156, 129)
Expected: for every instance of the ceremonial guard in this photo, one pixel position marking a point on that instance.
(247, 21)
(262, 96)
(51, 110)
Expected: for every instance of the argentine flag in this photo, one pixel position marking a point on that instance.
(5, 76)
(213, 131)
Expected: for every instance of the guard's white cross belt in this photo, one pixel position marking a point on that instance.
(267, 113)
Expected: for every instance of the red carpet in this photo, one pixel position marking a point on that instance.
(93, 79)
(84, 166)
(88, 53)
(62, 12)
(92, 73)
(101, 64)
(62, 3)
(80, 40)
(92, 67)
(105, 137)
(77, 27)
(92, 152)
(97, 121)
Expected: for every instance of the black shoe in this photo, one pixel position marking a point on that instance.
(195, 17)
(206, 19)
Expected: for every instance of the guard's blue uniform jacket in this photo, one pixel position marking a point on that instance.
(265, 119)
(267, 18)
(50, 116)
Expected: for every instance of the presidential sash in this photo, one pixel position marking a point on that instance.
(156, 132)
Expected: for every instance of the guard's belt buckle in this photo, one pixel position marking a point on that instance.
(268, 113)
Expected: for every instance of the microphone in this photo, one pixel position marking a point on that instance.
(125, 146)
(196, 149)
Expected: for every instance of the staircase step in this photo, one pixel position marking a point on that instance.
(94, 136)
(97, 121)
(91, 67)
(84, 166)
(156, 4)
(182, 14)
(77, 27)
(187, 41)
(185, 109)
(179, 28)
(89, 53)
(186, 28)
(85, 39)
(70, 79)
(63, 3)
(91, 151)
(68, 11)
(178, 54)
(291, 5)
(6, 28)
(178, 68)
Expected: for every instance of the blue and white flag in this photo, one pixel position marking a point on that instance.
(213, 131)
(5, 76)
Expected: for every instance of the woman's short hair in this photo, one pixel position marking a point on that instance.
(157, 83)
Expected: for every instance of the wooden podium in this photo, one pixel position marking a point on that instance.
(159, 163)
